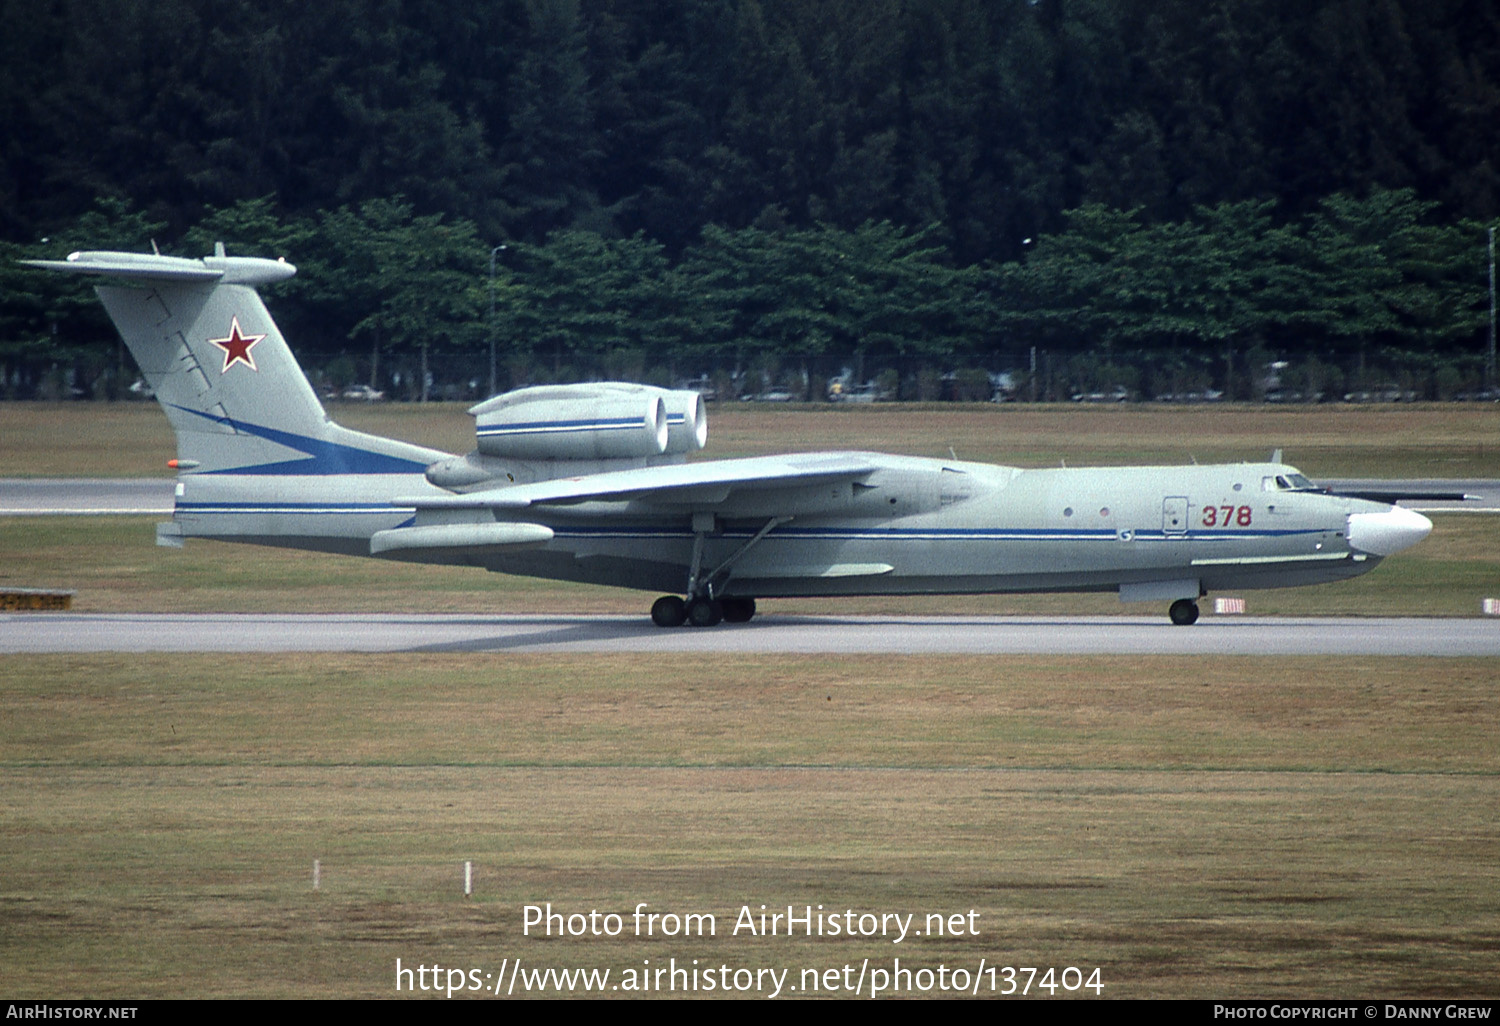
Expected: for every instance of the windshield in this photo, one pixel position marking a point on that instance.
(1292, 482)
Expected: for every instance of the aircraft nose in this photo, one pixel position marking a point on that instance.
(1382, 534)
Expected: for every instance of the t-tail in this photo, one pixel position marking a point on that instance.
(258, 458)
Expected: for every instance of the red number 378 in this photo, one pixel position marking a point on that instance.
(1226, 516)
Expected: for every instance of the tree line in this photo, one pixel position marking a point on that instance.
(983, 120)
(1161, 196)
(1361, 292)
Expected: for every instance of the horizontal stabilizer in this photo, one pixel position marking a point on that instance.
(225, 270)
(458, 536)
(678, 484)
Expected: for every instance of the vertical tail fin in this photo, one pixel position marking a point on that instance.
(236, 398)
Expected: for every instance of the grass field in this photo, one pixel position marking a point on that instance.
(1421, 440)
(1193, 827)
(1252, 828)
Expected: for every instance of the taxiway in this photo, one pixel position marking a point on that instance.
(838, 635)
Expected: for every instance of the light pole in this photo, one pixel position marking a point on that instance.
(1489, 362)
(492, 316)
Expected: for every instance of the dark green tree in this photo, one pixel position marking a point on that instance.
(406, 284)
(585, 296)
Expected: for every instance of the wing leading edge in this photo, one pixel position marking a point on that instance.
(699, 485)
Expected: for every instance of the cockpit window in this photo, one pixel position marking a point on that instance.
(1287, 483)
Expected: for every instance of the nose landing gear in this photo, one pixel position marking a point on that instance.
(1184, 612)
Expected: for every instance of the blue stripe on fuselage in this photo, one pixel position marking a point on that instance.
(841, 533)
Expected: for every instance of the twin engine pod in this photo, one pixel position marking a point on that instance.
(605, 420)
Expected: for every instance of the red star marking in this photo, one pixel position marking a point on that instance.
(237, 346)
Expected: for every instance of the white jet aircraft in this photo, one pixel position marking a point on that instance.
(591, 483)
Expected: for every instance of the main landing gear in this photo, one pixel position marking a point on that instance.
(701, 608)
(669, 611)
(701, 611)
(1184, 612)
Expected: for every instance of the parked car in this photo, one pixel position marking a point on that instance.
(1118, 394)
(362, 393)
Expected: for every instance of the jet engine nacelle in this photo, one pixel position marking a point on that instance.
(606, 420)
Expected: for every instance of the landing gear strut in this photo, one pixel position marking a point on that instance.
(701, 608)
(1184, 612)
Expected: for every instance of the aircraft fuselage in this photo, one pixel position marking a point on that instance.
(912, 526)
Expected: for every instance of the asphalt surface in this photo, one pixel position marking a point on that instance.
(64, 496)
(850, 635)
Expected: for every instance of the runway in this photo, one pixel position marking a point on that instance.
(834, 635)
(82, 496)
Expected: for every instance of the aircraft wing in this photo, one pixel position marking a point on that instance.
(1378, 491)
(1394, 495)
(698, 485)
